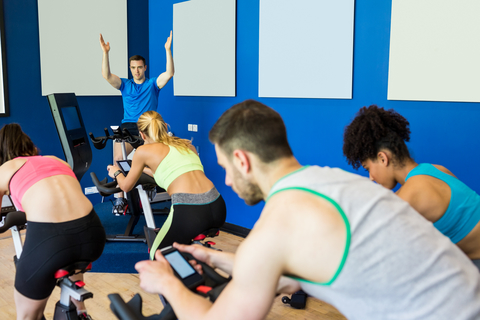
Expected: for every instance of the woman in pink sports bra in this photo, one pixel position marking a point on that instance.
(62, 226)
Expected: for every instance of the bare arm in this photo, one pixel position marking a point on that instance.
(287, 285)
(261, 259)
(249, 294)
(110, 77)
(6, 172)
(163, 78)
(138, 164)
(215, 259)
(224, 261)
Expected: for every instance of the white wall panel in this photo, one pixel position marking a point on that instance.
(70, 53)
(435, 50)
(204, 48)
(306, 48)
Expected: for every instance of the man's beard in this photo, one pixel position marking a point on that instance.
(246, 190)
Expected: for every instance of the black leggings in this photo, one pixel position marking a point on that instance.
(188, 220)
(52, 246)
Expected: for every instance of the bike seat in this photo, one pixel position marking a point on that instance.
(213, 232)
(71, 269)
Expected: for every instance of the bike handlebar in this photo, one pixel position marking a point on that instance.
(107, 188)
(118, 135)
(15, 218)
(132, 310)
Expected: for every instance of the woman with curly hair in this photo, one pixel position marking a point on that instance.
(196, 204)
(376, 140)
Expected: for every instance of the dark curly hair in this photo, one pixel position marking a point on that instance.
(15, 143)
(375, 129)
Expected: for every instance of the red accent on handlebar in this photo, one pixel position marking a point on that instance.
(203, 289)
(60, 274)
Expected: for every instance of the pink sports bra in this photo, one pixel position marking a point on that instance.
(35, 169)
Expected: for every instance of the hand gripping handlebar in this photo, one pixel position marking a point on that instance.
(132, 310)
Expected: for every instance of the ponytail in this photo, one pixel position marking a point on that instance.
(152, 125)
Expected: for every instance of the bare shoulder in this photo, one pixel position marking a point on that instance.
(7, 170)
(414, 188)
(152, 149)
(425, 196)
(12, 165)
(151, 155)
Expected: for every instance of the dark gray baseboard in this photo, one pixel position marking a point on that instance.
(236, 230)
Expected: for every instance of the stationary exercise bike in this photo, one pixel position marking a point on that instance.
(211, 288)
(138, 195)
(145, 182)
(137, 199)
(64, 309)
(138, 203)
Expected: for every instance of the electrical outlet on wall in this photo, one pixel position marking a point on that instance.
(91, 190)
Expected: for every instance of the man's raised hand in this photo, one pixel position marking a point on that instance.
(105, 46)
(168, 44)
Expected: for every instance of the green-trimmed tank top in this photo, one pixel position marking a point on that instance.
(395, 265)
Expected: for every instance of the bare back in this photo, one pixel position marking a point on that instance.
(54, 199)
(195, 182)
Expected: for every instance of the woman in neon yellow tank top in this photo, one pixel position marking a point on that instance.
(196, 203)
(376, 140)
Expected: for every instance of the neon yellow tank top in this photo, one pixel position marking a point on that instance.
(174, 165)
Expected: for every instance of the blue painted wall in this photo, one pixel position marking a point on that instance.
(27, 105)
(442, 132)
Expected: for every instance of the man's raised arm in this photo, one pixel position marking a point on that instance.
(168, 74)
(111, 78)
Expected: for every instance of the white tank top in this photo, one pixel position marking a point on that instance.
(397, 265)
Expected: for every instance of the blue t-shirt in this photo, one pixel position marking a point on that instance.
(138, 98)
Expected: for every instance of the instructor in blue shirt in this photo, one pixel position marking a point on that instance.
(139, 95)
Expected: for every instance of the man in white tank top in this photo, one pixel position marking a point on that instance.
(336, 235)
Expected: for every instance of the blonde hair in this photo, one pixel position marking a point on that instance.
(152, 125)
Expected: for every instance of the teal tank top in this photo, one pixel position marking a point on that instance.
(174, 165)
(463, 212)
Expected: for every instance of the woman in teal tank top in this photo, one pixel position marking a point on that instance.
(196, 204)
(376, 140)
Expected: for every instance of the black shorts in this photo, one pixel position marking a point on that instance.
(188, 220)
(52, 246)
